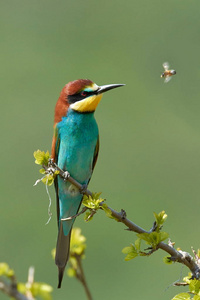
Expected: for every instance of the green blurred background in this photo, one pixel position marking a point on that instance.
(149, 157)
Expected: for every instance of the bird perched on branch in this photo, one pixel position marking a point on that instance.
(75, 147)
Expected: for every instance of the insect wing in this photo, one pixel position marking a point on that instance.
(166, 66)
(167, 79)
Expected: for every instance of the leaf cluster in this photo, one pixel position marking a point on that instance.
(5, 270)
(94, 203)
(36, 289)
(150, 238)
(160, 219)
(194, 289)
(48, 179)
(77, 250)
(77, 243)
(43, 158)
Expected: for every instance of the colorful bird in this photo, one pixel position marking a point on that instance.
(75, 147)
(167, 74)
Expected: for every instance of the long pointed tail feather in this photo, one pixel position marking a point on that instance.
(62, 253)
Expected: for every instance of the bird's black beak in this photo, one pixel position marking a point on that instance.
(105, 88)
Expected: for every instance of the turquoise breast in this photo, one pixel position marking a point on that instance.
(78, 135)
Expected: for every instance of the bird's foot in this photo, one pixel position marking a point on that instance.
(66, 175)
(83, 189)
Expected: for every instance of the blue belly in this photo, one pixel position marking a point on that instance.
(78, 135)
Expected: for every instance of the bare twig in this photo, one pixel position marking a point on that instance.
(72, 217)
(81, 276)
(181, 284)
(30, 281)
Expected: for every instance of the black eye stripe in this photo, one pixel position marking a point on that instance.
(80, 96)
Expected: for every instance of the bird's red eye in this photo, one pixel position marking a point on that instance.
(84, 93)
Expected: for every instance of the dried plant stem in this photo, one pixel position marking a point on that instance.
(81, 277)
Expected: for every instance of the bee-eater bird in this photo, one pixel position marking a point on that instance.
(75, 147)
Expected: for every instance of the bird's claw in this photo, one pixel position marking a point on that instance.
(66, 175)
(83, 189)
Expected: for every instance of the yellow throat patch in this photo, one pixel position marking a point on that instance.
(88, 104)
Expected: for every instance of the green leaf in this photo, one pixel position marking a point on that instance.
(73, 262)
(53, 253)
(5, 270)
(144, 236)
(167, 260)
(153, 238)
(42, 171)
(96, 195)
(182, 296)
(131, 252)
(194, 286)
(150, 238)
(77, 243)
(187, 278)
(48, 179)
(130, 256)
(108, 212)
(198, 253)
(196, 297)
(137, 244)
(163, 236)
(71, 272)
(92, 202)
(160, 219)
(127, 249)
(21, 287)
(41, 289)
(88, 216)
(41, 158)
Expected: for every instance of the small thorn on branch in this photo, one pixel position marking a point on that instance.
(122, 214)
(150, 250)
(170, 243)
(154, 227)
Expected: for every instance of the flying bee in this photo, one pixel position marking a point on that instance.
(167, 73)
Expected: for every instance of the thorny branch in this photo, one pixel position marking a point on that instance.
(176, 256)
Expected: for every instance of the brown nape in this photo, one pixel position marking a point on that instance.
(61, 106)
(76, 86)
